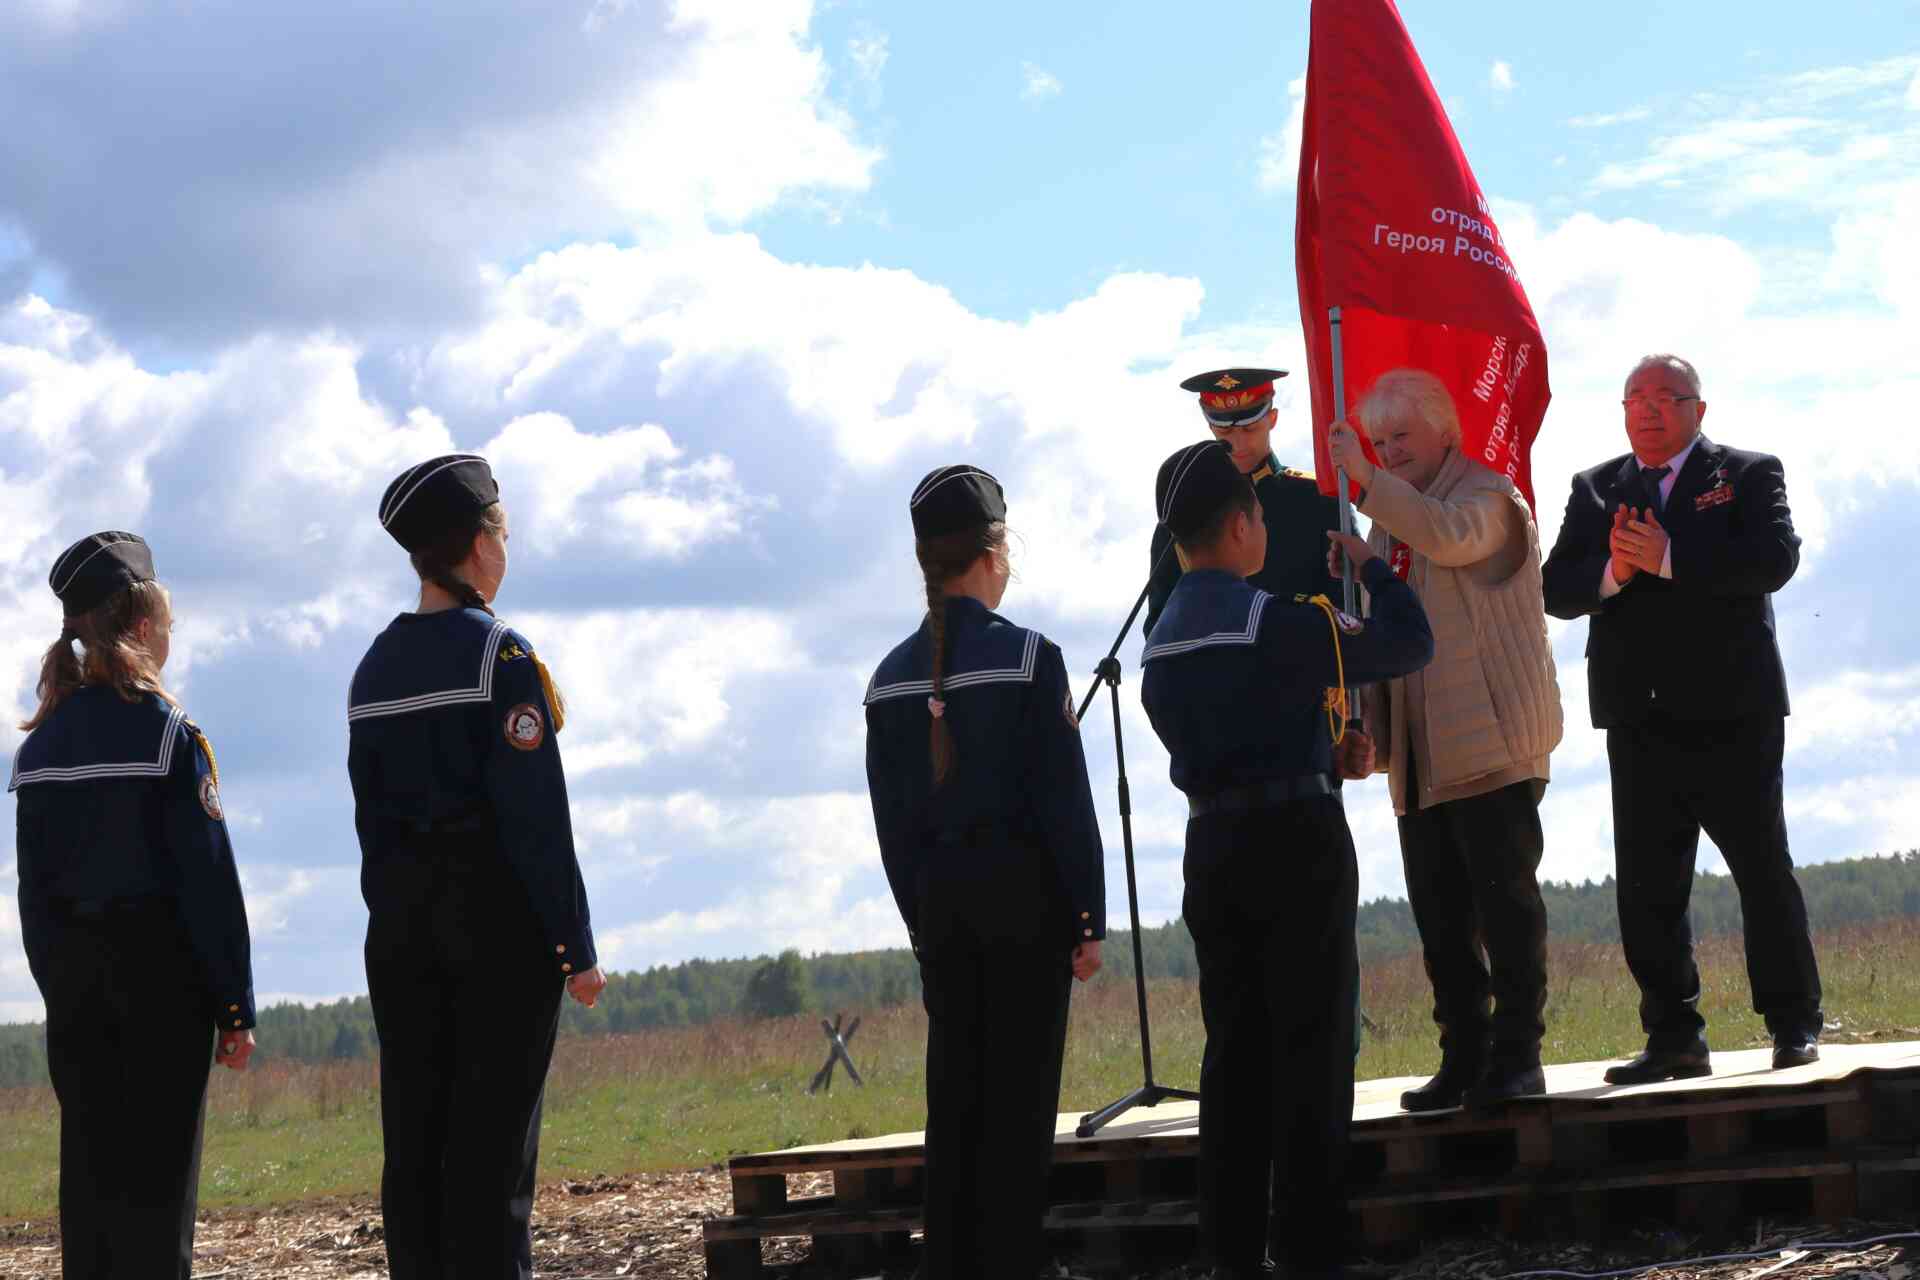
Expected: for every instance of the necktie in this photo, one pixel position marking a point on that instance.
(1650, 478)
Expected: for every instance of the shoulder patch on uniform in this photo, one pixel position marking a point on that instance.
(210, 798)
(511, 651)
(1067, 710)
(525, 727)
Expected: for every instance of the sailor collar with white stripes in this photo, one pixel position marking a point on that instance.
(140, 754)
(1188, 623)
(1011, 661)
(481, 690)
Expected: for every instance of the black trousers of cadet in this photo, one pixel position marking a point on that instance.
(1671, 779)
(1472, 881)
(467, 1004)
(1270, 901)
(129, 1044)
(995, 972)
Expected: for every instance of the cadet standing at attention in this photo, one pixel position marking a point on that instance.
(1236, 685)
(131, 912)
(987, 830)
(1238, 407)
(477, 914)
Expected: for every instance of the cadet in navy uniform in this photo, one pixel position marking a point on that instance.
(1236, 683)
(987, 831)
(131, 911)
(477, 913)
(1238, 407)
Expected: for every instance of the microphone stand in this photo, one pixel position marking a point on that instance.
(1150, 1093)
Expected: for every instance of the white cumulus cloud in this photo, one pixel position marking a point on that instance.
(1038, 84)
(1277, 164)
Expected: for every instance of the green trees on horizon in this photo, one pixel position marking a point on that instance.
(697, 991)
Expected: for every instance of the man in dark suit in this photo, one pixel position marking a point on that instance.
(1675, 551)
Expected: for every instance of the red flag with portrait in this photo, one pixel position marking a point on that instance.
(1393, 229)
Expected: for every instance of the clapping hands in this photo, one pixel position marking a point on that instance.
(1638, 543)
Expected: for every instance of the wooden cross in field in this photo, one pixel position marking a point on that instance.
(836, 1052)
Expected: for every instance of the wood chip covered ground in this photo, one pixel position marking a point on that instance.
(647, 1227)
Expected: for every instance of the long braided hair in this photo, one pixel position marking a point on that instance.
(943, 559)
(439, 563)
(113, 652)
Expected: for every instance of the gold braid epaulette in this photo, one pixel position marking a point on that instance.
(556, 705)
(213, 766)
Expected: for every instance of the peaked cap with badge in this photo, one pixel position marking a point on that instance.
(436, 496)
(1234, 397)
(1297, 514)
(949, 499)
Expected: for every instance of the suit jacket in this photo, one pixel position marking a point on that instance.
(1699, 646)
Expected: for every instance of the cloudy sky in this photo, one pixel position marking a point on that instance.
(713, 282)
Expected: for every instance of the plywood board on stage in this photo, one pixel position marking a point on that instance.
(1377, 1106)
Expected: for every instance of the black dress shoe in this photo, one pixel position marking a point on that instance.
(1504, 1083)
(1794, 1051)
(1651, 1065)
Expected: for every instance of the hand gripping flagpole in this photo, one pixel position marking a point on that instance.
(1346, 504)
(1150, 1093)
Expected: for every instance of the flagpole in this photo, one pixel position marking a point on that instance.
(1339, 415)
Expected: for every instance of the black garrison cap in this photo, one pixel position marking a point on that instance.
(954, 498)
(1194, 484)
(97, 566)
(1234, 397)
(439, 494)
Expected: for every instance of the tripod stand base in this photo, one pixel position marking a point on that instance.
(1147, 1095)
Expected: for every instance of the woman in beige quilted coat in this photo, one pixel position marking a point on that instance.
(1465, 741)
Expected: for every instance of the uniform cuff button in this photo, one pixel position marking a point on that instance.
(560, 950)
(1088, 932)
(566, 968)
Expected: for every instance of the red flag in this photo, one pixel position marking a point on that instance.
(1394, 230)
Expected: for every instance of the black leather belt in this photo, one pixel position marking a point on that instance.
(1261, 795)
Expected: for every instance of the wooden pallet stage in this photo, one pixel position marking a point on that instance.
(1837, 1139)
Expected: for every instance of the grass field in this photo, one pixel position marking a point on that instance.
(672, 1099)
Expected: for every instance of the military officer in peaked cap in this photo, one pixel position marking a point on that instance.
(1237, 405)
(1235, 683)
(131, 911)
(987, 831)
(477, 914)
